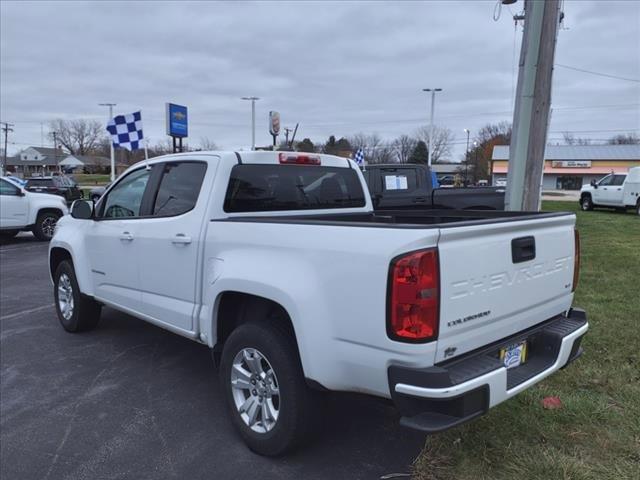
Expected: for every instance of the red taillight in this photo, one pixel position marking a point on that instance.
(576, 259)
(414, 288)
(298, 159)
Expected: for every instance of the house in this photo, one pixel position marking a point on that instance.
(89, 164)
(568, 167)
(36, 160)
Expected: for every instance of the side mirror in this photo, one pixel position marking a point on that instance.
(594, 184)
(21, 193)
(82, 209)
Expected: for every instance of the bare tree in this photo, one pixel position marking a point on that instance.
(570, 139)
(79, 137)
(628, 139)
(207, 144)
(403, 147)
(478, 161)
(375, 150)
(442, 141)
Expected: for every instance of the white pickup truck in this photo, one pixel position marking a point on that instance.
(21, 210)
(278, 263)
(618, 190)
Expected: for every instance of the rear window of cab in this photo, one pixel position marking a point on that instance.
(267, 188)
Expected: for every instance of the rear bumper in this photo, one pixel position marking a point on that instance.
(453, 392)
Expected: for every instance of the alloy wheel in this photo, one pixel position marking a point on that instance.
(65, 296)
(255, 390)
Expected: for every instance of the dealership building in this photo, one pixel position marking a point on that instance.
(568, 167)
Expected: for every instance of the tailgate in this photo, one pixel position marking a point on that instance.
(498, 279)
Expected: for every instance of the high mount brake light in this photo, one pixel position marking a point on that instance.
(413, 311)
(297, 159)
(576, 259)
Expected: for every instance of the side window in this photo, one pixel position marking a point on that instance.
(6, 188)
(618, 180)
(179, 188)
(605, 181)
(125, 199)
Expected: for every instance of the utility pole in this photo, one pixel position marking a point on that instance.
(113, 161)
(466, 157)
(6, 129)
(55, 149)
(253, 120)
(433, 101)
(533, 101)
(286, 134)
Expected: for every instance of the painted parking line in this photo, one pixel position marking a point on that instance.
(26, 312)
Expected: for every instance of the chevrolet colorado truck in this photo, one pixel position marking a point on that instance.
(21, 210)
(279, 264)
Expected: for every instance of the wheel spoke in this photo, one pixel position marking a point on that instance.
(267, 413)
(247, 404)
(241, 383)
(254, 408)
(240, 376)
(253, 362)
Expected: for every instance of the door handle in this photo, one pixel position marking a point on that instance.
(126, 237)
(419, 199)
(181, 239)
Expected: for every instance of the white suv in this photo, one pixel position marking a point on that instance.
(21, 210)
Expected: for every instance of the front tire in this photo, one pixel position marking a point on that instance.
(45, 225)
(271, 405)
(76, 312)
(638, 208)
(586, 203)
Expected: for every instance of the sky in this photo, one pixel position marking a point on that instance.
(336, 68)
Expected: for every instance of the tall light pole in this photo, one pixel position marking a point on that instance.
(113, 161)
(433, 101)
(253, 120)
(466, 157)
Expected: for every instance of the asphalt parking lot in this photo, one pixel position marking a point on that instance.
(130, 400)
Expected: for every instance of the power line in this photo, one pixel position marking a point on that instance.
(598, 73)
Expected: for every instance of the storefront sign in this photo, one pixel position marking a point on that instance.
(571, 164)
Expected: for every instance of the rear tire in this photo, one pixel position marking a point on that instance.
(76, 312)
(273, 352)
(45, 225)
(586, 204)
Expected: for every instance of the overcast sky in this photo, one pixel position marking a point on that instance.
(335, 67)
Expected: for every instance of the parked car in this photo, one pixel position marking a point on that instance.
(57, 185)
(21, 210)
(16, 180)
(96, 192)
(278, 262)
(617, 190)
(403, 186)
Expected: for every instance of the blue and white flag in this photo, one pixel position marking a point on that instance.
(126, 131)
(359, 157)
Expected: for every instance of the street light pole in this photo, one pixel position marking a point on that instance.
(113, 161)
(253, 120)
(433, 101)
(466, 157)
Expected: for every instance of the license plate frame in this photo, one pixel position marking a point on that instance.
(514, 355)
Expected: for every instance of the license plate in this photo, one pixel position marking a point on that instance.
(514, 355)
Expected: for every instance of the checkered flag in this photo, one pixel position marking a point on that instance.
(126, 131)
(359, 157)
